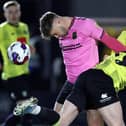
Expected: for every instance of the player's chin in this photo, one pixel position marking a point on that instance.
(14, 22)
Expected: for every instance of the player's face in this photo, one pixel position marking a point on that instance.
(12, 14)
(58, 30)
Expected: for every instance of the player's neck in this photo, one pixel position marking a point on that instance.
(68, 22)
(14, 24)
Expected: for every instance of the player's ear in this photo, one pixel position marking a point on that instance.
(20, 13)
(57, 20)
(5, 14)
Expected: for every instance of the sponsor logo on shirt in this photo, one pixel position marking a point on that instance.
(70, 47)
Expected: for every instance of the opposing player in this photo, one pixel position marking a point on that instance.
(15, 77)
(122, 93)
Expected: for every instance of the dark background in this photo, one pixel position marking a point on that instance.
(47, 70)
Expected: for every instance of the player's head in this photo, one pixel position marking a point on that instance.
(12, 11)
(52, 24)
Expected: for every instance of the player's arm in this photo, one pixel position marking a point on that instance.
(98, 33)
(1, 65)
(112, 43)
(32, 49)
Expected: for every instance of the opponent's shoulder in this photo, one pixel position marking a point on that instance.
(123, 33)
(4, 24)
(22, 24)
(122, 36)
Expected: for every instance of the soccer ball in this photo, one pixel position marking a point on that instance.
(18, 53)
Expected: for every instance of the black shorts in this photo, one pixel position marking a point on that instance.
(18, 87)
(92, 90)
(64, 92)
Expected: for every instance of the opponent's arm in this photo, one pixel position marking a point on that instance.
(1, 65)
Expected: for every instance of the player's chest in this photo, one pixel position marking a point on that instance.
(73, 42)
(14, 33)
(17, 32)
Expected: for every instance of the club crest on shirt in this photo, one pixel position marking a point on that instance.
(74, 35)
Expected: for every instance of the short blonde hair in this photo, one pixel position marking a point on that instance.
(10, 3)
(46, 24)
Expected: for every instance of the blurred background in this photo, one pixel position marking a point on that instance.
(47, 73)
